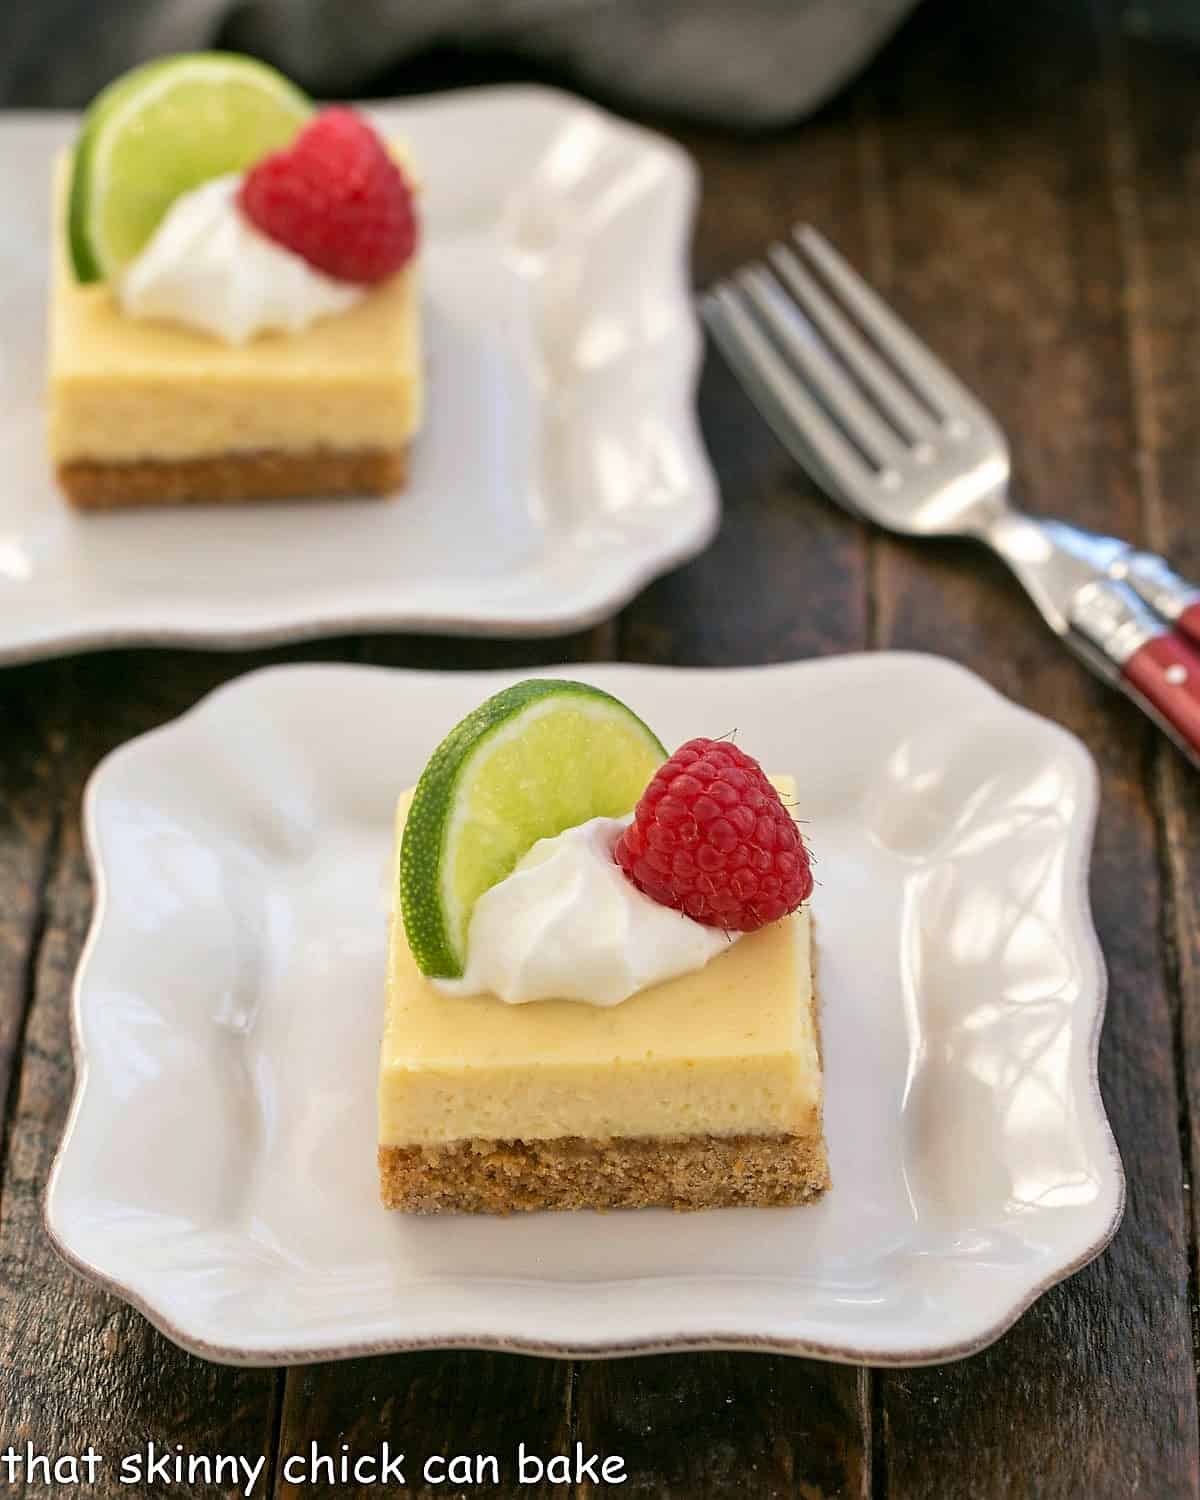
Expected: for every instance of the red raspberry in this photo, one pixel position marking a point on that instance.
(711, 838)
(335, 197)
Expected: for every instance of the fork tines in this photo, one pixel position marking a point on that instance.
(844, 383)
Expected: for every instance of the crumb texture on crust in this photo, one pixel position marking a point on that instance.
(502, 1177)
(230, 478)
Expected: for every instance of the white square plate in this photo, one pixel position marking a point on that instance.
(560, 467)
(218, 1170)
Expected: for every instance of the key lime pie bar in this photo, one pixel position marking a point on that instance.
(234, 310)
(600, 982)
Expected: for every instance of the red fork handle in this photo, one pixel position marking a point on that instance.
(1165, 672)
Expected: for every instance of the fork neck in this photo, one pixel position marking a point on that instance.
(1051, 560)
(1018, 536)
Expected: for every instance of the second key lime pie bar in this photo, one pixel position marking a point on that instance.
(234, 309)
(600, 985)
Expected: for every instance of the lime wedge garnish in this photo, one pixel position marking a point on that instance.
(161, 130)
(536, 759)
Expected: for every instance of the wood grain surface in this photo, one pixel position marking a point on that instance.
(1035, 317)
(1024, 182)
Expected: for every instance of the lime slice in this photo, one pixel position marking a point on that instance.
(539, 757)
(161, 130)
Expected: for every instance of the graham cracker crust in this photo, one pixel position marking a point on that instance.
(691, 1172)
(230, 478)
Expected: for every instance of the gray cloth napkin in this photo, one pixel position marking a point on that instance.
(749, 63)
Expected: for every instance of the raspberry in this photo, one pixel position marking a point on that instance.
(711, 838)
(336, 198)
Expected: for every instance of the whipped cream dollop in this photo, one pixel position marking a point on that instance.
(568, 925)
(207, 266)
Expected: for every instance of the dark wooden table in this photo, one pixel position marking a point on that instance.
(1024, 181)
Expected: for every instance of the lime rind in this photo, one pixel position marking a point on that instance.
(535, 759)
(167, 152)
(86, 266)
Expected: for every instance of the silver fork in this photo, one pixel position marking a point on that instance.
(891, 434)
